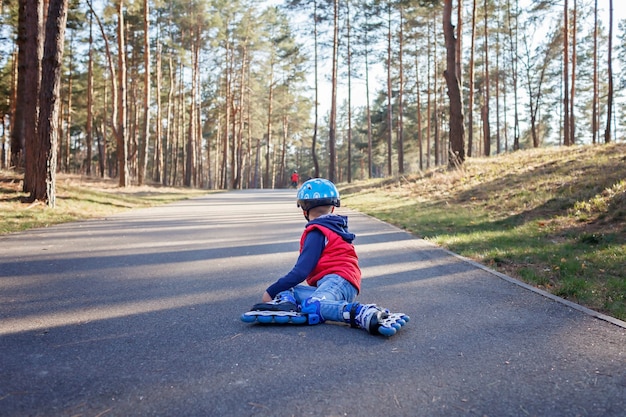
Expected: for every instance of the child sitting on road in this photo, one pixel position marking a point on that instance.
(329, 264)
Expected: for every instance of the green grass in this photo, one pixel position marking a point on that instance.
(554, 218)
(78, 198)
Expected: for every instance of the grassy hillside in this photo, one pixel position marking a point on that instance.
(554, 218)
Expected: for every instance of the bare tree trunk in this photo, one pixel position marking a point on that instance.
(68, 122)
(102, 145)
(144, 140)
(485, 111)
(24, 138)
(238, 181)
(418, 104)
(609, 106)
(430, 59)
(332, 129)
(227, 116)
(459, 41)
(12, 109)
(270, 108)
(89, 125)
(249, 179)
(389, 93)
(401, 98)
(45, 183)
(457, 130)
(470, 105)
(316, 166)
(513, 41)
(349, 62)
(594, 111)
(283, 151)
(120, 134)
(369, 109)
(114, 93)
(178, 146)
(17, 129)
(436, 138)
(167, 146)
(497, 88)
(566, 118)
(572, 131)
(190, 166)
(158, 129)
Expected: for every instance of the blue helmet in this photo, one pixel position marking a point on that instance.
(317, 192)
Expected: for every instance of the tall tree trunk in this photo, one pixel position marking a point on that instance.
(114, 89)
(144, 139)
(513, 40)
(47, 133)
(158, 126)
(485, 110)
(389, 93)
(169, 131)
(316, 166)
(572, 131)
(68, 122)
(25, 138)
(436, 137)
(103, 164)
(17, 126)
(120, 134)
(470, 105)
(457, 130)
(89, 124)
(349, 63)
(270, 109)
(594, 111)
(401, 97)
(368, 105)
(418, 104)
(238, 181)
(429, 60)
(227, 116)
(609, 105)
(566, 119)
(190, 160)
(459, 41)
(332, 130)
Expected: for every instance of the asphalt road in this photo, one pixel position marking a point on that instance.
(138, 315)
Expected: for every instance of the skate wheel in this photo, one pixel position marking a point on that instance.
(264, 319)
(281, 319)
(298, 320)
(387, 331)
(248, 319)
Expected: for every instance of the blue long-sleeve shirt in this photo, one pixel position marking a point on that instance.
(312, 248)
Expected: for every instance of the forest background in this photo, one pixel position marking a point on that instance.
(220, 94)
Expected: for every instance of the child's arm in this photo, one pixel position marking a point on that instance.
(310, 255)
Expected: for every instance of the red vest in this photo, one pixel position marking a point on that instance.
(338, 257)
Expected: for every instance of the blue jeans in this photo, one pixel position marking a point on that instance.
(333, 293)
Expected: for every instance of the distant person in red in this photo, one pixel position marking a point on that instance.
(295, 178)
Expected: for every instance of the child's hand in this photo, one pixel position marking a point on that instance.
(266, 297)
